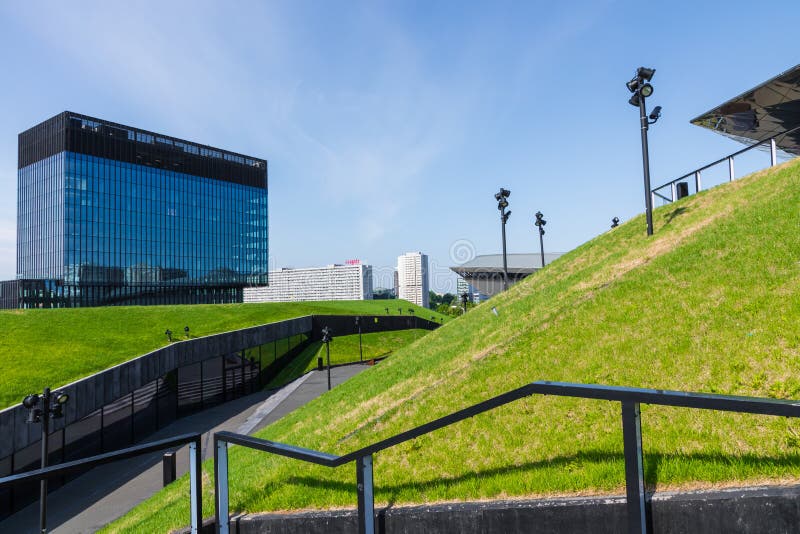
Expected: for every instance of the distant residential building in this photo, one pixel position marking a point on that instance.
(485, 273)
(412, 278)
(351, 281)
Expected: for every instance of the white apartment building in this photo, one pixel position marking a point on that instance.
(352, 281)
(412, 278)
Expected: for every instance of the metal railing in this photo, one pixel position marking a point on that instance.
(196, 492)
(629, 398)
(697, 173)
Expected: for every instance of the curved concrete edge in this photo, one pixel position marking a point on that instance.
(270, 404)
(774, 509)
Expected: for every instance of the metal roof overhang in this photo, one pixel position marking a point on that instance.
(768, 110)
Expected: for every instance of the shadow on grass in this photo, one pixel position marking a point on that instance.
(674, 213)
(296, 367)
(652, 464)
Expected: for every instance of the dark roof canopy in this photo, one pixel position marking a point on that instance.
(769, 109)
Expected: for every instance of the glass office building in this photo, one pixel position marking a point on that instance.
(113, 215)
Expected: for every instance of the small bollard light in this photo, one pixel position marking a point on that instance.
(168, 333)
(186, 331)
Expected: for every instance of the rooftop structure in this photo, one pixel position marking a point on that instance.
(485, 273)
(769, 109)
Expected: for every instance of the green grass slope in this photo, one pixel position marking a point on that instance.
(52, 348)
(710, 303)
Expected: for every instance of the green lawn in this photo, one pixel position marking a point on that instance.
(710, 303)
(41, 348)
(345, 349)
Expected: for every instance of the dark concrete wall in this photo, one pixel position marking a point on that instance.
(749, 510)
(93, 392)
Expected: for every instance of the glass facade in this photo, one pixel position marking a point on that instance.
(101, 230)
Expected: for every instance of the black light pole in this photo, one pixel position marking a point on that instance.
(52, 406)
(502, 203)
(360, 349)
(186, 331)
(326, 338)
(641, 89)
(540, 222)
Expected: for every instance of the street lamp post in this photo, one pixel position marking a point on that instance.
(540, 222)
(52, 406)
(327, 338)
(360, 349)
(641, 89)
(502, 203)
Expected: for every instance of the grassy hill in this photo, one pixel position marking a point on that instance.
(41, 348)
(710, 303)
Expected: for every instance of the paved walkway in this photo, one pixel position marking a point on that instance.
(110, 491)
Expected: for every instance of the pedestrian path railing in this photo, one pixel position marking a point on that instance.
(66, 468)
(669, 191)
(629, 399)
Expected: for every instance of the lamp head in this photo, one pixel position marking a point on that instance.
(633, 85)
(646, 90)
(30, 401)
(634, 101)
(655, 114)
(645, 73)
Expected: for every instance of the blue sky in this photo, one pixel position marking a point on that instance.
(389, 126)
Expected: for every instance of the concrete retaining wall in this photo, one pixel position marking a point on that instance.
(93, 392)
(775, 510)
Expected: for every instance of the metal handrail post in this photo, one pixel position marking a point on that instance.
(672, 191)
(366, 495)
(731, 174)
(697, 184)
(196, 491)
(773, 152)
(634, 467)
(221, 485)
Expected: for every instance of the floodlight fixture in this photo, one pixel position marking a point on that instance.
(641, 90)
(502, 204)
(539, 223)
(30, 401)
(655, 114)
(52, 406)
(645, 73)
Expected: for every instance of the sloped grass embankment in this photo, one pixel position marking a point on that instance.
(52, 348)
(710, 303)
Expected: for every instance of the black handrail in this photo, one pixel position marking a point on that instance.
(630, 399)
(137, 450)
(725, 158)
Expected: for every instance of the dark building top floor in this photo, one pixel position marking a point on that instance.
(73, 132)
